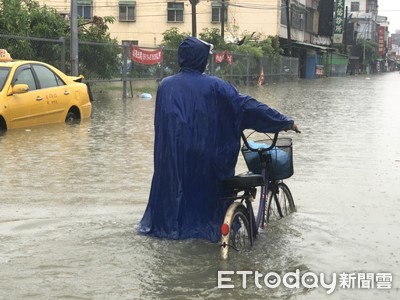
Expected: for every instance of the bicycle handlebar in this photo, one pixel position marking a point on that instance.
(260, 150)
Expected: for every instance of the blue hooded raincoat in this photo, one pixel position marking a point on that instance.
(198, 123)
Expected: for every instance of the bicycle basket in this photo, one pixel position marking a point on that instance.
(280, 165)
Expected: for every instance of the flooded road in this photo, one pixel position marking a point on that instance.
(72, 196)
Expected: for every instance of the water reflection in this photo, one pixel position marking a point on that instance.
(71, 197)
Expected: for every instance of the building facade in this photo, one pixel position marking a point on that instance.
(364, 23)
(362, 18)
(144, 21)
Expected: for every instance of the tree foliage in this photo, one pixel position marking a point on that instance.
(249, 50)
(27, 18)
(213, 36)
(172, 38)
(271, 47)
(253, 44)
(102, 58)
(367, 47)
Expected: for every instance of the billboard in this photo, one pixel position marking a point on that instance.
(339, 22)
(381, 41)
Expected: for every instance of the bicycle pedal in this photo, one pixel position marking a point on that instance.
(227, 245)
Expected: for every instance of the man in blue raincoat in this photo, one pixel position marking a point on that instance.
(198, 124)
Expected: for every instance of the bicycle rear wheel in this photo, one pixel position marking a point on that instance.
(280, 202)
(235, 231)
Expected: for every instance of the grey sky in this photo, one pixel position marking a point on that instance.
(390, 9)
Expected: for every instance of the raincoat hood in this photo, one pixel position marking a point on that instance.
(193, 54)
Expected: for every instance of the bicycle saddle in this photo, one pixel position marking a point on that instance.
(244, 181)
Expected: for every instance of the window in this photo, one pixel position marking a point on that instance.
(127, 10)
(216, 12)
(25, 76)
(46, 77)
(372, 6)
(85, 8)
(283, 13)
(3, 76)
(175, 11)
(355, 6)
(309, 21)
(297, 18)
(130, 42)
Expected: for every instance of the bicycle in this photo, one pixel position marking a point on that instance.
(266, 170)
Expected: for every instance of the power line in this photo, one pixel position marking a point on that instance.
(156, 4)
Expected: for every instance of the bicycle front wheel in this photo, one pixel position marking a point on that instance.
(235, 231)
(280, 202)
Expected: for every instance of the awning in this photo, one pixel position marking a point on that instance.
(127, 2)
(84, 2)
(309, 45)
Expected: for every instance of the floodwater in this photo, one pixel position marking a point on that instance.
(72, 196)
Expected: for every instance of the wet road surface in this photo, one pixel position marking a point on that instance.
(72, 196)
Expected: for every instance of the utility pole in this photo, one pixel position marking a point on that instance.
(194, 3)
(289, 41)
(222, 19)
(345, 30)
(74, 38)
(366, 67)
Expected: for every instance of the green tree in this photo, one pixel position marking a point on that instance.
(14, 16)
(172, 38)
(367, 47)
(248, 53)
(28, 18)
(14, 19)
(213, 36)
(252, 44)
(99, 54)
(46, 22)
(271, 47)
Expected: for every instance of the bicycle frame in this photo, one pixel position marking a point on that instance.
(263, 200)
(241, 226)
(265, 188)
(248, 197)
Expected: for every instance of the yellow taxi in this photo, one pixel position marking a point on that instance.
(34, 93)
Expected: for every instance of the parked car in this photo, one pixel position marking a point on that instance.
(34, 93)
